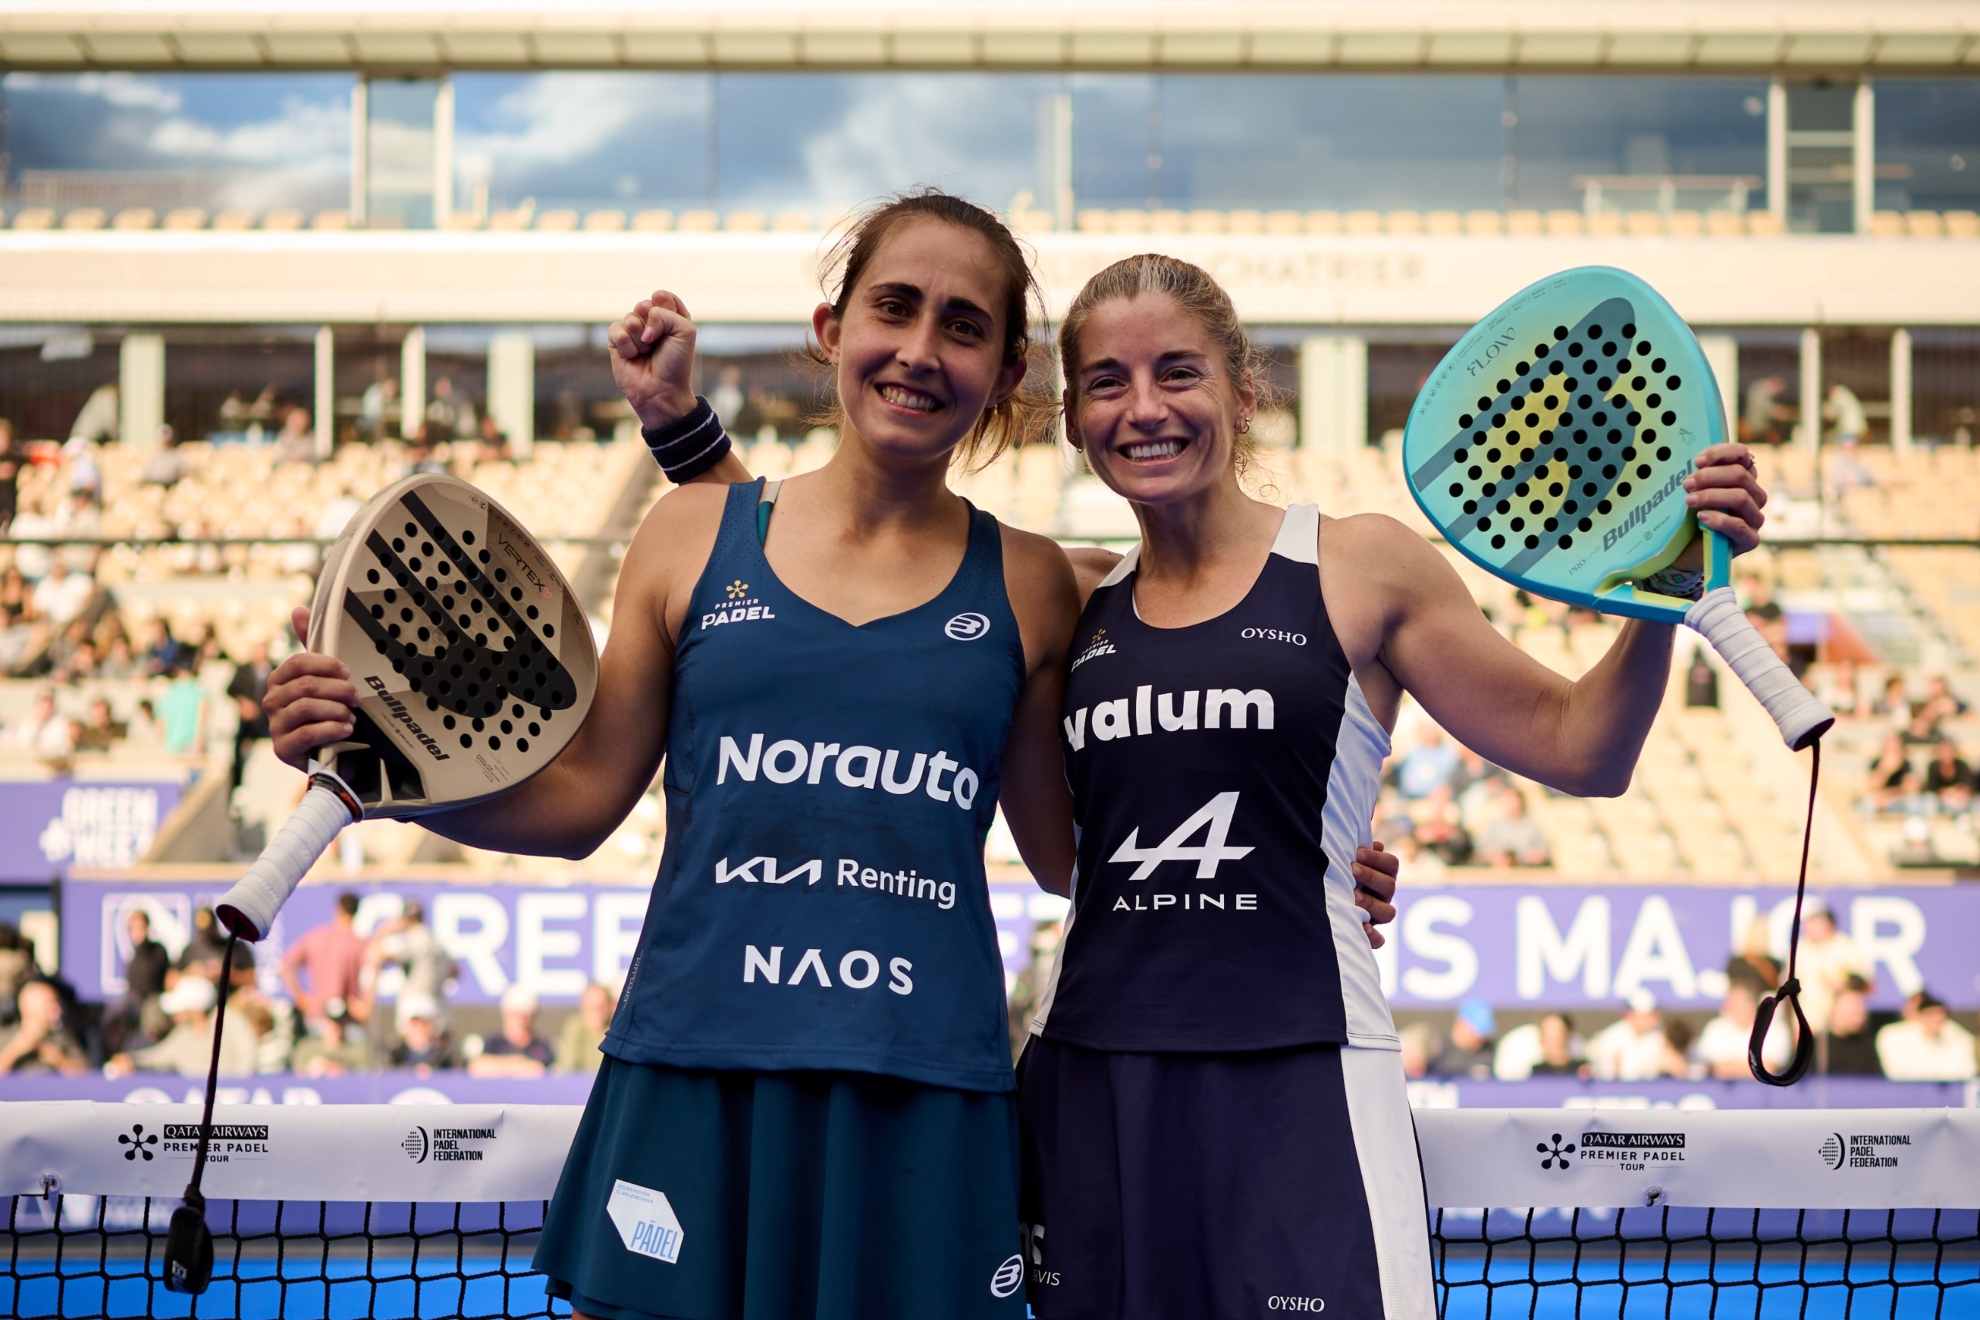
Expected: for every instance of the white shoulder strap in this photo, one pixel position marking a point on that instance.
(1125, 567)
(1299, 534)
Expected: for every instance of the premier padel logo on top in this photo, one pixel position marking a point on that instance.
(137, 1142)
(1555, 1156)
(738, 607)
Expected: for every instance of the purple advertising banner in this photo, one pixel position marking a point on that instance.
(54, 824)
(1576, 946)
(1566, 946)
(571, 1089)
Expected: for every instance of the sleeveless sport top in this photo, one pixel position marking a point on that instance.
(821, 899)
(1223, 775)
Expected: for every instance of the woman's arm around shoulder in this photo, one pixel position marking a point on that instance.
(1037, 804)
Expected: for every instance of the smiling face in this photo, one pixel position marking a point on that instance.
(919, 350)
(1152, 403)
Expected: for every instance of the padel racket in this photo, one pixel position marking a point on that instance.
(473, 663)
(1551, 445)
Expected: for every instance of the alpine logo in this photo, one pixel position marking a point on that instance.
(1008, 1278)
(1213, 818)
(966, 627)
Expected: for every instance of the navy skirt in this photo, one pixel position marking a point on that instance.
(1221, 1186)
(703, 1195)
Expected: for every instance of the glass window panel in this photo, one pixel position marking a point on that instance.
(1928, 145)
(1627, 141)
(1338, 142)
(830, 141)
(583, 140)
(399, 152)
(215, 141)
(1117, 142)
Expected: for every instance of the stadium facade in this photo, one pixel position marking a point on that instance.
(1801, 180)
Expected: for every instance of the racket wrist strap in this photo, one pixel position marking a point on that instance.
(688, 446)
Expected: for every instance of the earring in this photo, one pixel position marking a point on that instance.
(1244, 426)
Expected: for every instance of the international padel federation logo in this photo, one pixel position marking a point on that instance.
(966, 627)
(1556, 1155)
(417, 1145)
(1009, 1275)
(1834, 1151)
(137, 1143)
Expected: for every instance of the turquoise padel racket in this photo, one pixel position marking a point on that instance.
(1551, 444)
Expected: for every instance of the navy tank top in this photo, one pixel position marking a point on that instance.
(821, 902)
(1223, 775)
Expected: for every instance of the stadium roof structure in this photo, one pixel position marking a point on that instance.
(422, 36)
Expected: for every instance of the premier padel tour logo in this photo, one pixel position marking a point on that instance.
(740, 607)
(1862, 1150)
(1555, 1156)
(966, 627)
(1097, 645)
(447, 1145)
(137, 1142)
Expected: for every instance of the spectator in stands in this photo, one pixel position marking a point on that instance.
(1437, 823)
(1826, 962)
(115, 660)
(1424, 866)
(32, 522)
(449, 413)
(1922, 728)
(163, 650)
(10, 475)
(1766, 412)
(1928, 1046)
(491, 446)
(43, 732)
(144, 971)
(1514, 838)
(248, 686)
(296, 443)
(408, 943)
(164, 466)
(329, 1051)
(16, 966)
(182, 710)
(101, 731)
(1467, 1050)
(333, 957)
(1766, 615)
(378, 406)
(97, 419)
(727, 397)
(1941, 700)
(1546, 1048)
(584, 1030)
(1720, 1050)
(201, 956)
(188, 1046)
(81, 519)
(1849, 1047)
(518, 1051)
(1419, 1043)
(1634, 1048)
(1949, 779)
(40, 1042)
(1891, 785)
(1431, 762)
(14, 638)
(1701, 682)
(1895, 701)
(1838, 689)
(61, 595)
(1752, 964)
(422, 1046)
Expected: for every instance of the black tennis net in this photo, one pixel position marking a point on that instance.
(1534, 1213)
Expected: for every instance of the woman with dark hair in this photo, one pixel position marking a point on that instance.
(1214, 1115)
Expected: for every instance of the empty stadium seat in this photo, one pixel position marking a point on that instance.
(652, 221)
(185, 217)
(1362, 222)
(1764, 224)
(1924, 224)
(135, 217)
(1643, 224)
(1962, 224)
(558, 220)
(604, 222)
(1166, 221)
(1443, 224)
(336, 218)
(1684, 224)
(1564, 224)
(1244, 222)
(698, 222)
(1484, 224)
(1284, 222)
(1524, 224)
(1323, 222)
(84, 217)
(35, 217)
(745, 222)
(1205, 221)
(793, 222)
(511, 219)
(1725, 224)
(1402, 223)
(1093, 221)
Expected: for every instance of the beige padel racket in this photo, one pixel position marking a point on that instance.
(473, 663)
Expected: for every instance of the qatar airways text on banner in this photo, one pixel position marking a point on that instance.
(1581, 946)
(57, 824)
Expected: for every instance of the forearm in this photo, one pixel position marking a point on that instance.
(562, 812)
(1601, 719)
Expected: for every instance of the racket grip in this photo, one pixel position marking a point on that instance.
(1719, 617)
(249, 908)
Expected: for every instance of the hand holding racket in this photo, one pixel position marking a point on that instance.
(472, 667)
(1554, 446)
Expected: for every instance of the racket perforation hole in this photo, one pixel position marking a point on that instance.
(426, 547)
(1586, 524)
(371, 574)
(1604, 507)
(1670, 418)
(1498, 542)
(413, 563)
(1532, 543)
(1594, 332)
(522, 744)
(535, 728)
(1663, 453)
(494, 744)
(1504, 385)
(1566, 541)
(1574, 350)
(1643, 471)
(1636, 382)
(1484, 524)
(1653, 400)
(1560, 332)
(398, 543)
(467, 740)
(1471, 506)
(1622, 488)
